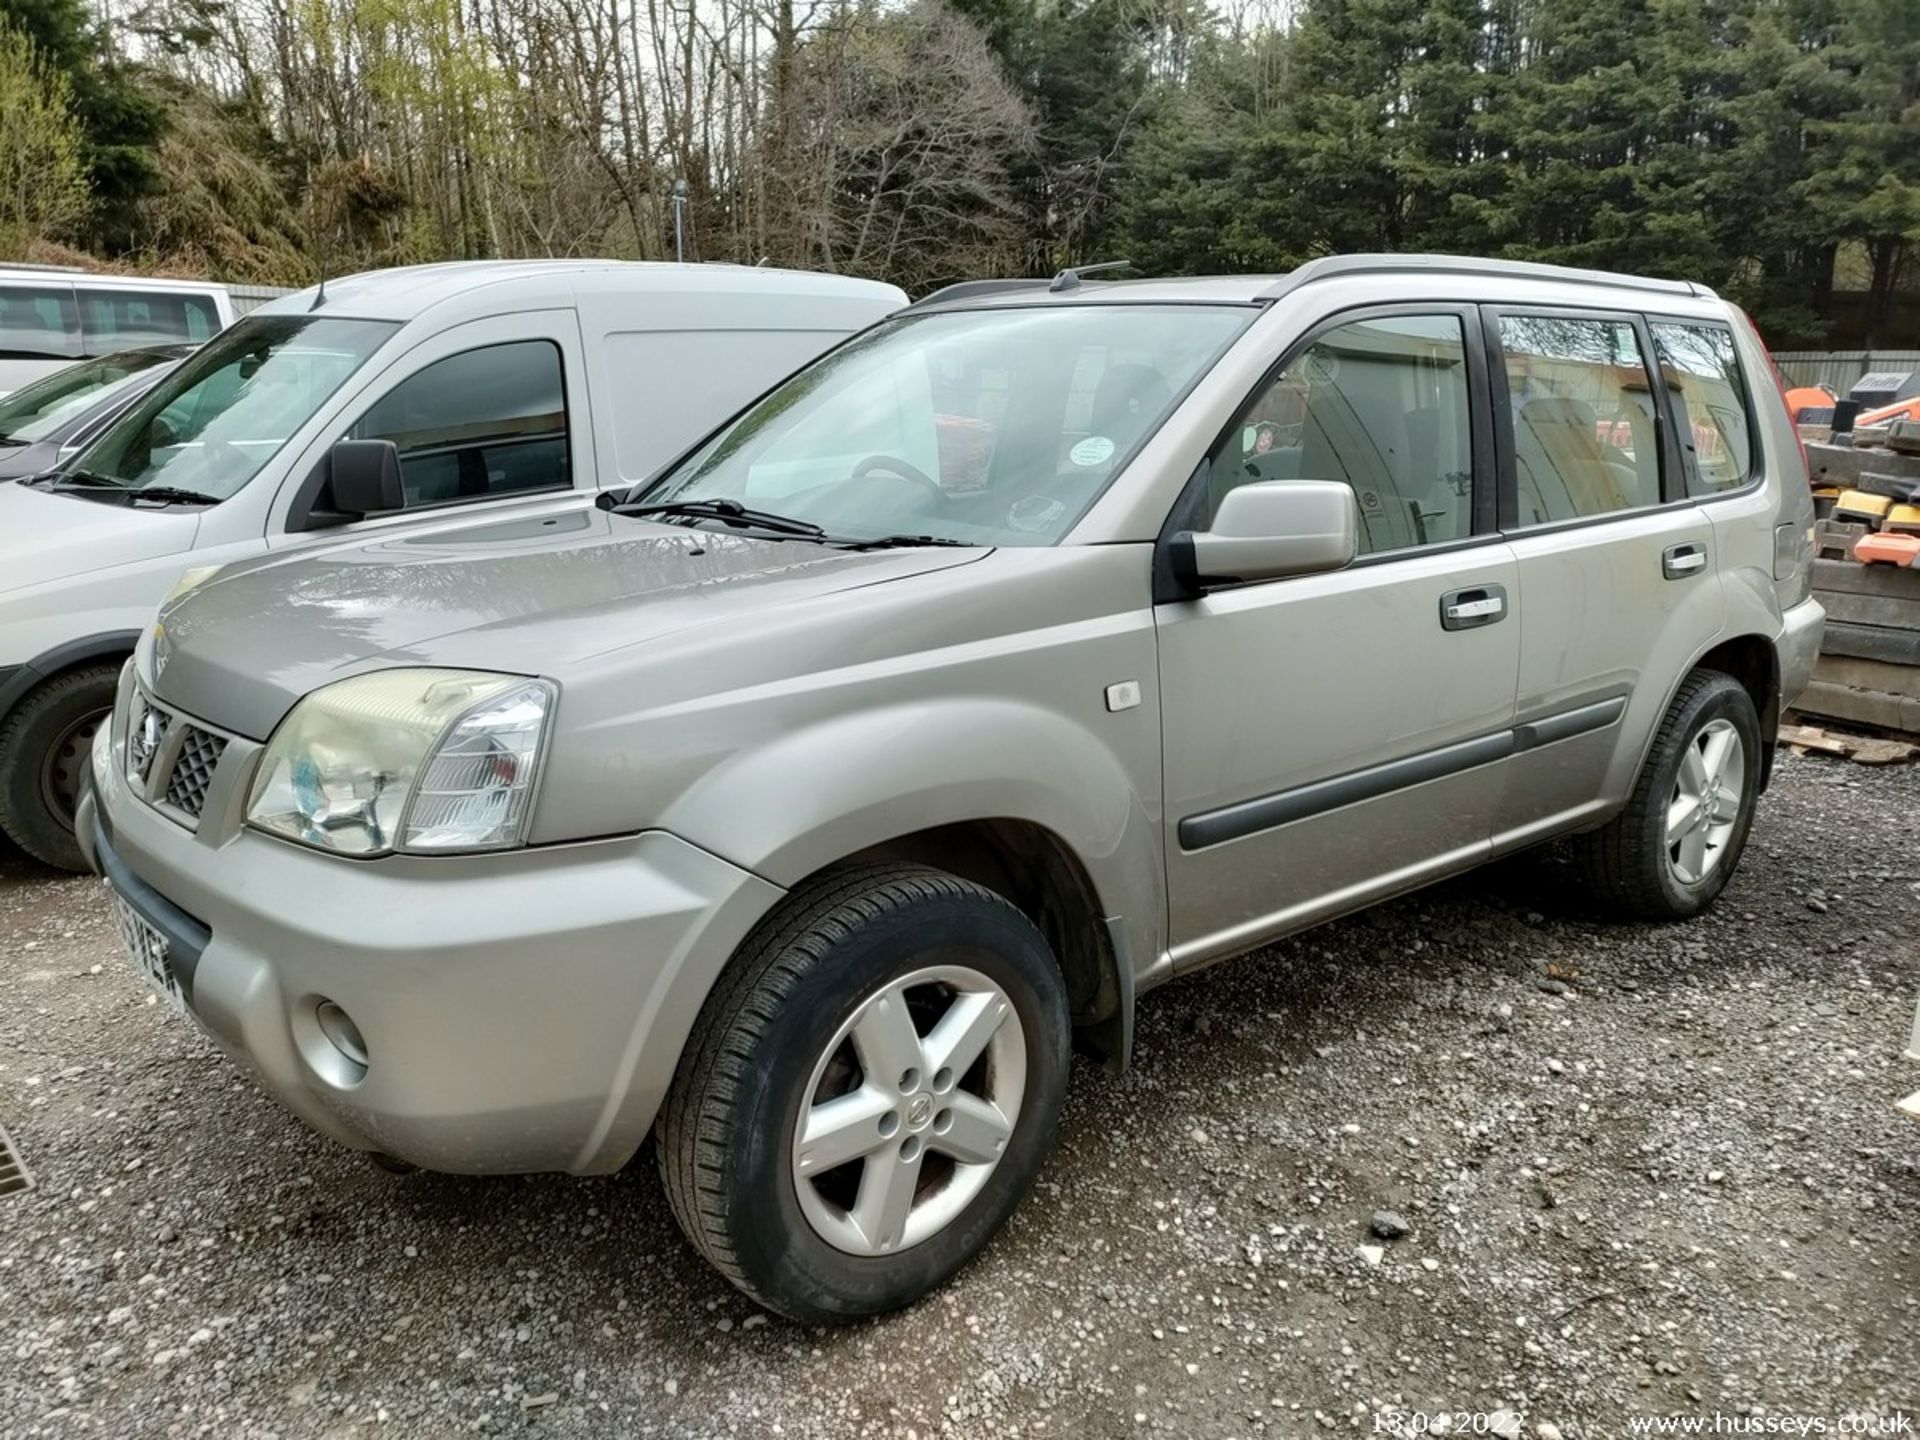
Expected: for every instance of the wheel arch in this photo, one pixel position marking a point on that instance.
(1041, 875)
(23, 680)
(1753, 660)
(1020, 797)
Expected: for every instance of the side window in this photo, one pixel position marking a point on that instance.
(478, 425)
(1710, 403)
(123, 319)
(1380, 404)
(39, 321)
(1584, 439)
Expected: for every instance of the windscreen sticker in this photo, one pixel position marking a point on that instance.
(1094, 450)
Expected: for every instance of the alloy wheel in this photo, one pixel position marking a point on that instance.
(1707, 796)
(909, 1110)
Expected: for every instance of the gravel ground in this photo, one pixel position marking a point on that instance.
(1641, 1171)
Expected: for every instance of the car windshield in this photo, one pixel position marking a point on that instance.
(209, 427)
(38, 411)
(982, 427)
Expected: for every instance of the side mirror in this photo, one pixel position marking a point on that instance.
(1268, 530)
(363, 478)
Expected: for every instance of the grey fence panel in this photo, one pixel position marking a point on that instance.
(1839, 369)
(252, 297)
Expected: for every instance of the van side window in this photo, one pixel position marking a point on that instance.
(1584, 439)
(1380, 404)
(125, 319)
(39, 321)
(1703, 378)
(479, 425)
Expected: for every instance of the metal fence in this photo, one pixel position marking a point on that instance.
(1838, 370)
(251, 297)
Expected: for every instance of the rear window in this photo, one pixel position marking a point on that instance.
(39, 321)
(1702, 373)
(122, 319)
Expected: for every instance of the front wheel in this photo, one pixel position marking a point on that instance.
(869, 1092)
(44, 745)
(1671, 852)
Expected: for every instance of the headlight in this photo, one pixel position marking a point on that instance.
(420, 760)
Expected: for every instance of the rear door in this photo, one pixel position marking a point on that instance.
(1618, 574)
(1330, 739)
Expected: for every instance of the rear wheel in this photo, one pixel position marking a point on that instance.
(44, 745)
(869, 1092)
(1671, 852)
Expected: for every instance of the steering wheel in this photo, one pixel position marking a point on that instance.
(900, 469)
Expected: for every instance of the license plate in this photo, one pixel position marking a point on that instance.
(147, 948)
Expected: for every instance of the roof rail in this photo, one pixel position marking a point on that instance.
(1329, 266)
(966, 289)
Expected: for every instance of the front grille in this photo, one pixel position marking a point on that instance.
(193, 770)
(14, 1179)
(147, 726)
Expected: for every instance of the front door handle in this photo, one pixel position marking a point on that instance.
(1677, 562)
(1471, 608)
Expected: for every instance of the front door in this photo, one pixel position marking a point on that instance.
(1331, 739)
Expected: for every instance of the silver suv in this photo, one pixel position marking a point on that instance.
(812, 800)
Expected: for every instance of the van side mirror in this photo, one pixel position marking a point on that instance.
(1268, 530)
(363, 478)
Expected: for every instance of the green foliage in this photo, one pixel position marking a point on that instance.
(1750, 144)
(1770, 148)
(43, 186)
(122, 120)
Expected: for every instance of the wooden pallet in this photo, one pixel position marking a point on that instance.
(1807, 739)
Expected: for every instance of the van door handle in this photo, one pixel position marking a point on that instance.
(1680, 561)
(1469, 609)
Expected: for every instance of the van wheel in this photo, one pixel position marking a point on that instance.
(43, 761)
(1675, 846)
(868, 1093)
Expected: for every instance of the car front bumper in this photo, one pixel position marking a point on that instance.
(521, 1011)
(1802, 627)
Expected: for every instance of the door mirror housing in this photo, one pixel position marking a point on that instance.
(1269, 530)
(363, 478)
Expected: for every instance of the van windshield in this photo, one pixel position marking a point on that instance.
(981, 427)
(209, 427)
(34, 412)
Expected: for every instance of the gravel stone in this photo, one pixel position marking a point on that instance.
(1389, 1224)
(248, 1279)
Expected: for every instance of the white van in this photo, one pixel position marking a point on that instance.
(51, 316)
(494, 389)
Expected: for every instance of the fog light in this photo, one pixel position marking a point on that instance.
(341, 1032)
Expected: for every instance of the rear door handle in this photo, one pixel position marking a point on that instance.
(1680, 561)
(1471, 608)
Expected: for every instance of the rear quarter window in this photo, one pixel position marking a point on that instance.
(1711, 406)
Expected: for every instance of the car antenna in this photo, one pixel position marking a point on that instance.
(320, 296)
(1069, 279)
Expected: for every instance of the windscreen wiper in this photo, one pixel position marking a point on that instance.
(899, 542)
(86, 484)
(171, 495)
(728, 512)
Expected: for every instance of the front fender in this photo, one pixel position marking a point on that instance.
(816, 795)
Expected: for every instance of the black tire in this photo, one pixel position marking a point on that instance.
(727, 1127)
(41, 744)
(1626, 863)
